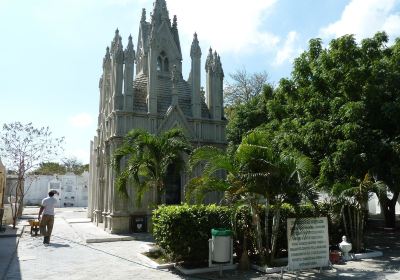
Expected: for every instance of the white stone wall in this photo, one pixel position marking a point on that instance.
(375, 209)
(73, 189)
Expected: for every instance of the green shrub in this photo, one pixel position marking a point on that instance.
(183, 231)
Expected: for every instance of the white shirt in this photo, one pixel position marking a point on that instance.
(49, 203)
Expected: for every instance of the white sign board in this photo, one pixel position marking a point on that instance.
(308, 244)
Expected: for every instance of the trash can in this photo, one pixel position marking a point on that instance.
(139, 224)
(221, 245)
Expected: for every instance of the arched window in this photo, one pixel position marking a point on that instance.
(162, 62)
(159, 63)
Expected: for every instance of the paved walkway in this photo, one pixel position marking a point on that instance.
(70, 257)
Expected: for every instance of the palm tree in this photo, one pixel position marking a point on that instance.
(255, 170)
(235, 185)
(354, 201)
(147, 159)
(285, 178)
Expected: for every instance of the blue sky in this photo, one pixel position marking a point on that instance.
(52, 50)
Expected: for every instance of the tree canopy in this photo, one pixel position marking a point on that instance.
(68, 165)
(244, 87)
(341, 108)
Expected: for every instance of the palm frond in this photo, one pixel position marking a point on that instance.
(198, 187)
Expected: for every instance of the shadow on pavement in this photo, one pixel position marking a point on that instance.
(9, 254)
(58, 245)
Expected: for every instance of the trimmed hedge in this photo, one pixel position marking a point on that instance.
(183, 231)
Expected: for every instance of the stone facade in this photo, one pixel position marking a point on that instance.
(156, 100)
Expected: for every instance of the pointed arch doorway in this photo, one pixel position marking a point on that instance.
(173, 186)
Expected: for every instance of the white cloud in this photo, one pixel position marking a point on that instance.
(82, 120)
(226, 25)
(392, 25)
(289, 49)
(364, 18)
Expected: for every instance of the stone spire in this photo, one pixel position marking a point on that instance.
(118, 53)
(160, 13)
(105, 82)
(175, 33)
(195, 50)
(195, 74)
(175, 22)
(117, 65)
(143, 19)
(129, 60)
(107, 58)
(217, 66)
(115, 41)
(129, 53)
(210, 60)
(214, 83)
(219, 69)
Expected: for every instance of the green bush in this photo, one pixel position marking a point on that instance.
(183, 231)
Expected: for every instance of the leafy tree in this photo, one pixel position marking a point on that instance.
(248, 115)
(146, 160)
(46, 168)
(23, 147)
(354, 201)
(244, 87)
(68, 165)
(73, 165)
(340, 108)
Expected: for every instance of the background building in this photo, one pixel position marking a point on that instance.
(73, 189)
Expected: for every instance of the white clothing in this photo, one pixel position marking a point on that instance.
(49, 203)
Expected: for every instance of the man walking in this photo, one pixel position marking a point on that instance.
(47, 221)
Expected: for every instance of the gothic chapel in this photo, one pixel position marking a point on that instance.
(155, 98)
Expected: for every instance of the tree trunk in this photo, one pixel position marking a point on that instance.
(351, 224)
(388, 209)
(266, 220)
(244, 263)
(275, 232)
(256, 222)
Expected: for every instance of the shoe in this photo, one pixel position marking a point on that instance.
(46, 240)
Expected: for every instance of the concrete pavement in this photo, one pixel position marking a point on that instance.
(69, 256)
